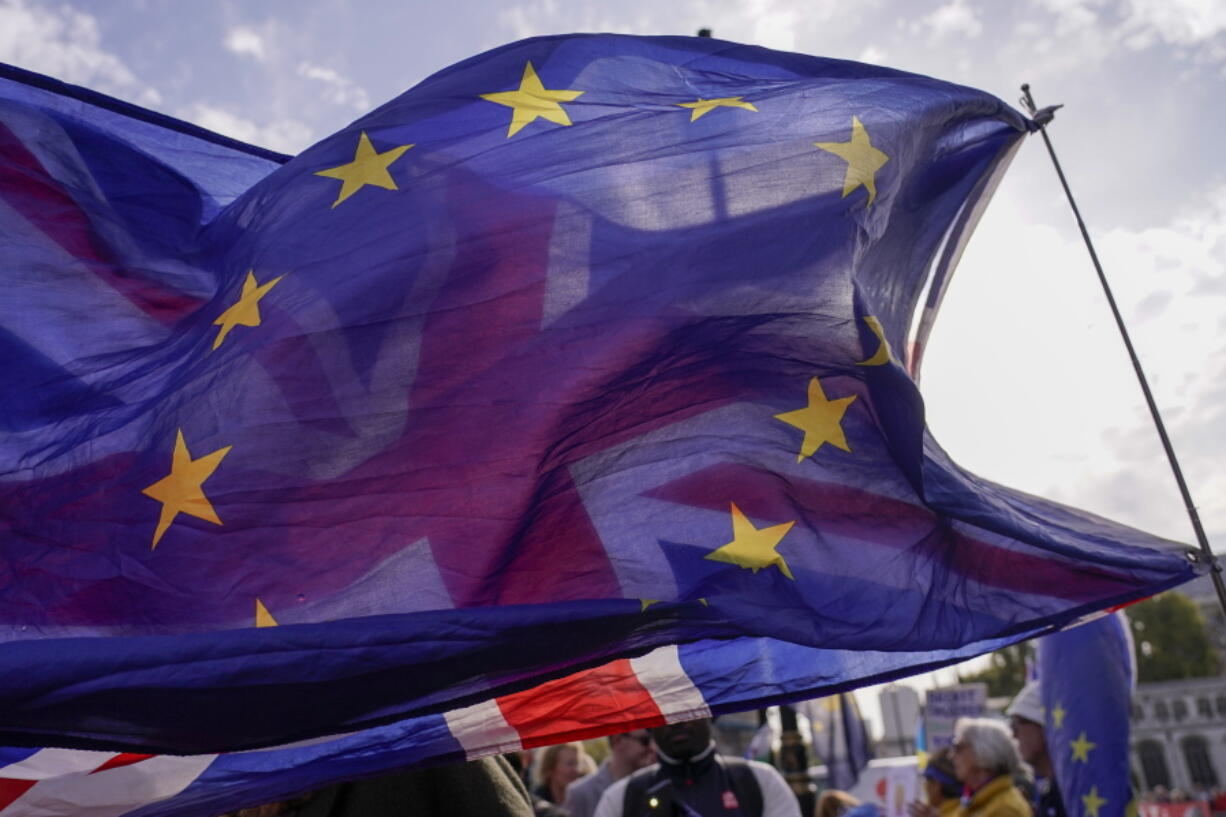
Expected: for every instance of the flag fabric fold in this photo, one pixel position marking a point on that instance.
(667, 685)
(582, 349)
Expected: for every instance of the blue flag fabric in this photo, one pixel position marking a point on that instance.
(1086, 677)
(667, 685)
(582, 347)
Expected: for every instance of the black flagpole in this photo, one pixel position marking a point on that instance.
(1041, 118)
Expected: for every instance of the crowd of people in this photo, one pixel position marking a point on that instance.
(669, 770)
(991, 770)
(1214, 798)
(675, 771)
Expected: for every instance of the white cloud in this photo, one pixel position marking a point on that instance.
(953, 18)
(1088, 31)
(1072, 16)
(285, 135)
(242, 40)
(65, 43)
(781, 24)
(338, 89)
(774, 24)
(1025, 333)
(1182, 347)
(1176, 22)
(872, 54)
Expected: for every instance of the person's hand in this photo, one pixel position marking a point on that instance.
(918, 809)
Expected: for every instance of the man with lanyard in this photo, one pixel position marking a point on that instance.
(692, 780)
(1026, 720)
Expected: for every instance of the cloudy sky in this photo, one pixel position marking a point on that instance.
(1026, 380)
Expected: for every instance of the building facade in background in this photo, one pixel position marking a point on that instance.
(1179, 734)
(1179, 727)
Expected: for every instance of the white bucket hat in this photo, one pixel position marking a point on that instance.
(1028, 704)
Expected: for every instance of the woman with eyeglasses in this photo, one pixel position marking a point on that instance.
(985, 761)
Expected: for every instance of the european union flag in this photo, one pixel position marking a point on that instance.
(583, 349)
(1087, 721)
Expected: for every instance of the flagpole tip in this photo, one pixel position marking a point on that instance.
(1028, 101)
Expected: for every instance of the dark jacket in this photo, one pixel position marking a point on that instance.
(483, 787)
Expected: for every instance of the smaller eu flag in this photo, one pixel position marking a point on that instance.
(840, 738)
(1086, 676)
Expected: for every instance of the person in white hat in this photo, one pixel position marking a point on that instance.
(1026, 718)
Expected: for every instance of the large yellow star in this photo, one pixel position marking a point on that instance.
(531, 100)
(702, 106)
(181, 490)
(863, 160)
(1093, 802)
(368, 167)
(1081, 748)
(1057, 715)
(821, 421)
(263, 618)
(753, 548)
(246, 311)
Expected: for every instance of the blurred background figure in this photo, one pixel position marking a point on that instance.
(489, 787)
(561, 765)
(521, 763)
(941, 788)
(985, 762)
(835, 803)
(690, 778)
(628, 752)
(838, 803)
(1026, 721)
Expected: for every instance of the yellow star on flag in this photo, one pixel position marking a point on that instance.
(246, 311)
(753, 548)
(263, 618)
(1081, 748)
(821, 421)
(882, 355)
(532, 100)
(701, 106)
(863, 160)
(368, 167)
(1093, 802)
(181, 490)
(1057, 715)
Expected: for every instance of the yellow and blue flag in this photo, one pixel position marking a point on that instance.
(584, 350)
(1086, 678)
(840, 738)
